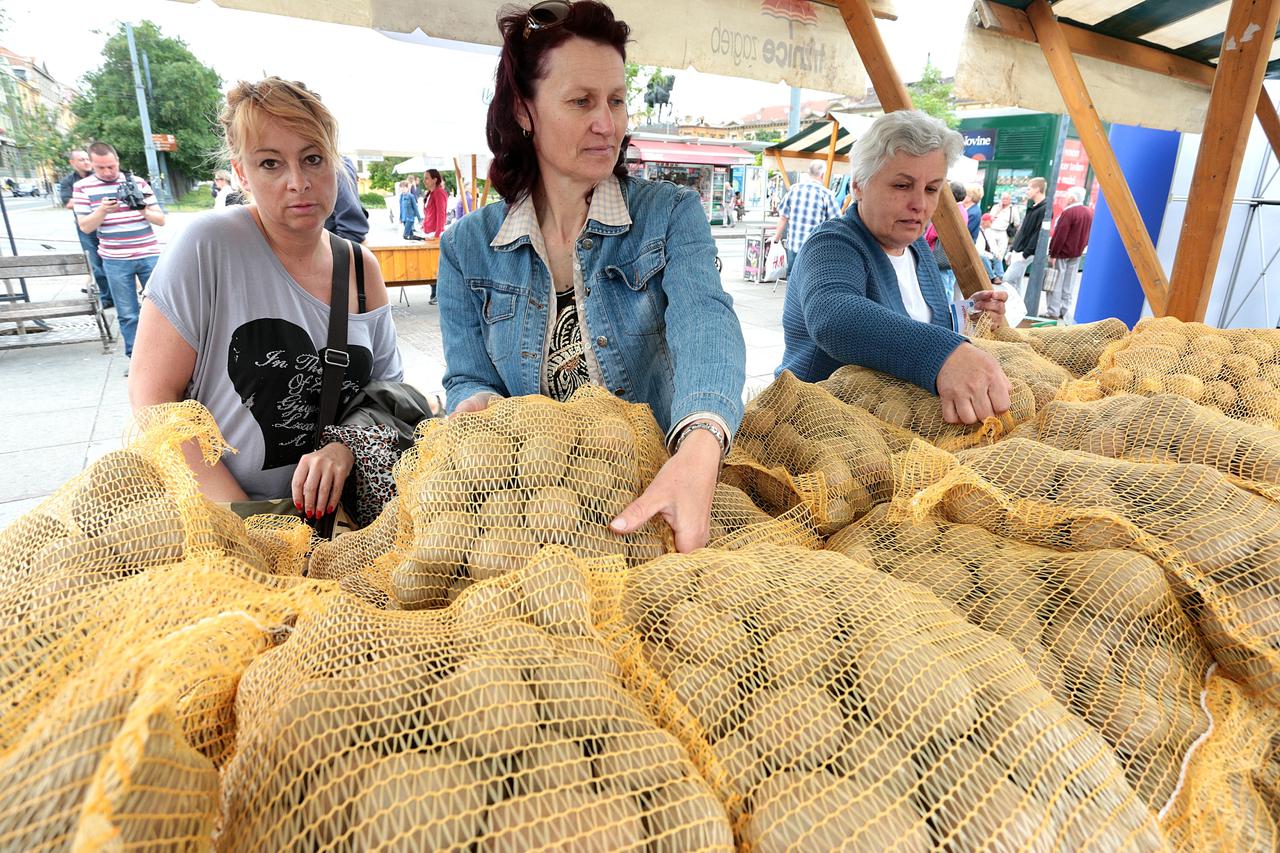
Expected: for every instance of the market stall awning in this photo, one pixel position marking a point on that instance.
(813, 142)
(800, 42)
(657, 151)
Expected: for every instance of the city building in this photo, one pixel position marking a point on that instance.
(26, 86)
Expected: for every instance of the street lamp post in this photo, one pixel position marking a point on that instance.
(149, 144)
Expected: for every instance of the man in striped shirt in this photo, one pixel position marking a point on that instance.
(126, 242)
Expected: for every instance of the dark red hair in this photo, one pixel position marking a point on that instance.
(513, 172)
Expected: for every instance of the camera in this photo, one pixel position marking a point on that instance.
(128, 194)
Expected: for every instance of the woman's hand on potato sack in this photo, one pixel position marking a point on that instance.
(991, 303)
(477, 402)
(971, 386)
(681, 493)
(319, 478)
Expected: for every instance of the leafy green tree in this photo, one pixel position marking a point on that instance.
(931, 95)
(637, 76)
(382, 174)
(184, 100)
(40, 139)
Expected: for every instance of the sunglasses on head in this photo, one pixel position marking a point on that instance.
(546, 15)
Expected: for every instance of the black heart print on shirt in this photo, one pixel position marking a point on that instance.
(277, 373)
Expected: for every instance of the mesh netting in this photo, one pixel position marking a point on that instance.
(1236, 371)
(1076, 348)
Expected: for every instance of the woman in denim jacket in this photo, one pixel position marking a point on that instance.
(586, 276)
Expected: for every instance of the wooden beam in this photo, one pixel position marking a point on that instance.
(831, 150)
(462, 195)
(1142, 252)
(473, 182)
(1014, 23)
(815, 155)
(1232, 103)
(786, 179)
(953, 230)
(1269, 120)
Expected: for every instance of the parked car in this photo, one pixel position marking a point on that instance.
(23, 188)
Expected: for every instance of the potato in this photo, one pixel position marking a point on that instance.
(486, 707)
(578, 700)
(439, 549)
(552, 513)
(498, 552)
(503, 511)
(977, 808)
(116, 480)
(916, 689)
(1111, 581)
(707, 636)
(20, 541)
(1184, 385)
(418, 801)
(1239, 368)
(684, 815)
(798, 810)
(1117, 379)
(1258, 350)
(609, 438)
(555, 593)
(484, 458)
(710, 694)
(640, 760)
(542, 460)
(796, 724)
(572, 820)
(551, 764)
(896, 413)
(1211, 342)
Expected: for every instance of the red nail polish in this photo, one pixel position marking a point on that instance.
(308, 513)
(298, 505)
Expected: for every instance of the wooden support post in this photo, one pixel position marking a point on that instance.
(831, 151)
(782, 167)
(1246, 44)
(462, 195)
(1269, 120)
(473, 182)
(1142, 252)
(949, 219)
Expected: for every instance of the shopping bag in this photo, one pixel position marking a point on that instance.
(775, 264)
(1050, 278)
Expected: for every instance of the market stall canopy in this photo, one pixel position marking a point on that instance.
(813, 142)
(1175, 45)
(444, 163)
(800, 42)
(661, 151)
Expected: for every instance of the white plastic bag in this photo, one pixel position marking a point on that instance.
(775, 264)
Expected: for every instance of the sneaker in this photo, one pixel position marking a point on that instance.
(433, 301)
(126, 368)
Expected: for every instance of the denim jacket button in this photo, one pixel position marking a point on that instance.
(619, 391)
(586, 292)
(587, 243)
(602, 341)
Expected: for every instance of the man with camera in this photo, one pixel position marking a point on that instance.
(122, 209)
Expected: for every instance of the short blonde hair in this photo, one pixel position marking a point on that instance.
(250, 106)
(973, 192)
(222, 175)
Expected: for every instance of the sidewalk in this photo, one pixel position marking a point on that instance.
(65, 406)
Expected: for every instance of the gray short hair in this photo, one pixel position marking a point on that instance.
(909, 131)
(817, 168)
(1077, 194)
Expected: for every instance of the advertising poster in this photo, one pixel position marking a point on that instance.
(1072, 173)
(980, 144)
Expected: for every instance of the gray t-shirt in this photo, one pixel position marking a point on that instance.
(256, 334)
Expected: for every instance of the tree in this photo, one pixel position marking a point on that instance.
(184, 100)
(40, 139)
(637, 77)
(931, 95)
(382, 174)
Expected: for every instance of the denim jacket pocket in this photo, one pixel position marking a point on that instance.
(499, 301)
(643, 302)
(498, 297)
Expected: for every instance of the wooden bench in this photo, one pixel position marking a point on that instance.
(30, 320)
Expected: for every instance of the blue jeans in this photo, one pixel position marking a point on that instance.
(408, 228)
(121, 275)
(791, 262)
(89, 242)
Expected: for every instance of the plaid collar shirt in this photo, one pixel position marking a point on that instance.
(807, 205)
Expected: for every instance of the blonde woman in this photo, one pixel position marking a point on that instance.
(238, 308)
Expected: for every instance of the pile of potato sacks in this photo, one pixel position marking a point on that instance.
(1055, 632)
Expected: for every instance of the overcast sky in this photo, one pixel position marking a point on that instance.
(391, 94)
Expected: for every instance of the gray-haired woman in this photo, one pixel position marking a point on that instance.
(866, 290)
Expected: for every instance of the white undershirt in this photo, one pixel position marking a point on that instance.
(904, 266)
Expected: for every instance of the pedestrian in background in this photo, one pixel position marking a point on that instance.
(435, 200)
(408, 212)
(1023, 249)
(80, 168)
(806, 205)
(1066, 247)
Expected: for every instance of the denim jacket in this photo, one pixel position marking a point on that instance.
(651, 300)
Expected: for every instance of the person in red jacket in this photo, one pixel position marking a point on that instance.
(434, 201)
(1070, 237)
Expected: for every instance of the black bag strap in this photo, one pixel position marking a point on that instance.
(359, 253)
(334, 358)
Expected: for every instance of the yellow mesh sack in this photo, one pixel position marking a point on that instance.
(799, 445)
(1235, 371)
(858, 712)
(1217, 543)
(1076, 348)
(1164, 428)
(485, 490)
(499, 723)
(910, 407)
(1101, 630)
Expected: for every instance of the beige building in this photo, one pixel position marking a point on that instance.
(25, 86)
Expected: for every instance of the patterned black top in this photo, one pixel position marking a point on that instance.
(566, 356)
